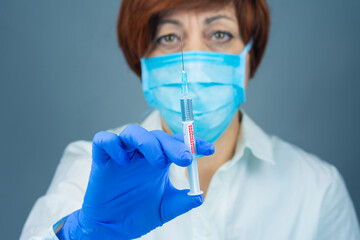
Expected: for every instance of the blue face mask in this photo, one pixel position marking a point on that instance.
(216, 85)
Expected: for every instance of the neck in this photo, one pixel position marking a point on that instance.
(224, 151)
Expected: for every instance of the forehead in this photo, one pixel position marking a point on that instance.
(227, 11)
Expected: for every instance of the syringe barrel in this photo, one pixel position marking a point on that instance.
(189, 140)
(186, 109)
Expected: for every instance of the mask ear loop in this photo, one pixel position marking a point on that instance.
(247, 47)
(242, 55)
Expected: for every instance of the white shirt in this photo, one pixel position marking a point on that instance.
(270, 189)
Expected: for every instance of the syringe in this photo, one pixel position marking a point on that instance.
(188, 130)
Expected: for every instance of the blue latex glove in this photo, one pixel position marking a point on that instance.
(129, 192)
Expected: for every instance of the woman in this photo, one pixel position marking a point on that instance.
(255, 186)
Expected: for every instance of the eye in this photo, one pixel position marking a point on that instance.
(167, 39)
(222, 36)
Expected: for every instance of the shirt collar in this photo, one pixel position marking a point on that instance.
(251, 137)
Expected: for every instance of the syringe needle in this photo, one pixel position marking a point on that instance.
(182, 53)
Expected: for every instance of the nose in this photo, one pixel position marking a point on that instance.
(194, 42)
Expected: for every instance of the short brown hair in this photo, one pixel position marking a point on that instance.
(138, 20)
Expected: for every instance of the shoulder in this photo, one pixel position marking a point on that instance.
(79, 148)
(303, 167)
(319, 187)
(73, 168)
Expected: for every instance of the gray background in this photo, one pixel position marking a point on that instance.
(63, 78)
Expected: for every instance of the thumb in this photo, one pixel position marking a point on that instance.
(177, 202)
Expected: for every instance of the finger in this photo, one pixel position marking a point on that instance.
(175, 150)
(107, 145)
(134, 137)
(202, 147)
(177, 202)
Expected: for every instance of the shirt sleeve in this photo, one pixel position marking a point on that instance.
(337, 216)
(64, 196)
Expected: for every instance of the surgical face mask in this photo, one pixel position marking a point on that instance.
(216, 85)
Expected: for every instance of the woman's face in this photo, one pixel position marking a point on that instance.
(210, 30)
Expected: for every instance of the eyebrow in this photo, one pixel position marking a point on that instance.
(207, 20)
(211, 19)
(171, 21)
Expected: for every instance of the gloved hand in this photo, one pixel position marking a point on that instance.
(129, 192)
